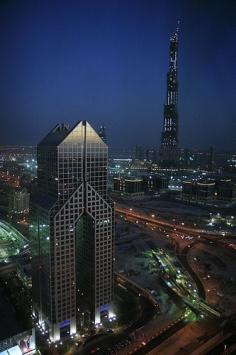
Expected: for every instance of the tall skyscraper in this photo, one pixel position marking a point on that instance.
(102, 133)
(72, 231)
(169, 137)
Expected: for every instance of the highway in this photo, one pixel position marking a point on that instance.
(160, 222)
(181, 248)
(226, 346)
(194, 301)
(177, 234)
(183, 259)
(153, 343)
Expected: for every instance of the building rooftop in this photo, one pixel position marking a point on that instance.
(55, 136)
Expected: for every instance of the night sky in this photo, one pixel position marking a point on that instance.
(106, 62)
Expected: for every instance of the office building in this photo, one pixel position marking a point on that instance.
(154, 183)
(199, 190)
(19, 202)
(128, 186)
(72, 231)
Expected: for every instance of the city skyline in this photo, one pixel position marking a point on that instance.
(107, 63)
(117, 177)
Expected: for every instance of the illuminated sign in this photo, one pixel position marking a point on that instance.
(64, 323)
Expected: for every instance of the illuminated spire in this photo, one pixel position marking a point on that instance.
(177, 28)
(175, 36)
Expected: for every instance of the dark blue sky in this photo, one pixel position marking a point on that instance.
(106, 62)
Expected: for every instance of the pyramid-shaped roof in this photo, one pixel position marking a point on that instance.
(55, 136)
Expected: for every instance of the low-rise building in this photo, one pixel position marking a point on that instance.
(198, 190)
(218, 189)
(129, 186)
(19, 202)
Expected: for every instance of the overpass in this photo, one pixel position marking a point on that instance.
(165, 224)
(195, 303)
(136, 287)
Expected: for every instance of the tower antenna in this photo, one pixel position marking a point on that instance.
(177, 28)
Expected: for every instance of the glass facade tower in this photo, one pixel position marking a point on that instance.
(71, 231)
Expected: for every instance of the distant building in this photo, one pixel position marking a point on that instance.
(72, 232)
(205, 189)
(137, 186)
(211, 163)
(19, 202)
(128, 186)
(199, 190)
(218, 189)
(151, 155)
(103, 134)
(169, 138)
(139, 152)
(134, 186)
(139, 166)
(154, 183)
(226, 190)
(187, 158)
(118, 184)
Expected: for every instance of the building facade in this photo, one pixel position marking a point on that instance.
(154, 183)
(128, 186)
(19, 202)
(199, 190)
(169, 138)
(72, 231)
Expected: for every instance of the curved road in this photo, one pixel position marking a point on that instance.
(183, 259)
(181, 254)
